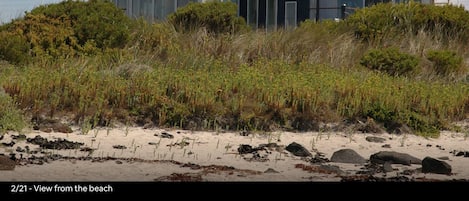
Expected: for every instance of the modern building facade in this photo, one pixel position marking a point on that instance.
(263, 14)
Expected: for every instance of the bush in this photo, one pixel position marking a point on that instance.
(446, 62)
(216, 17)
(422, 124)
(63, 30)
(381, 113)
(13, 48)
(390, 61)
(46, 36)
(97, 20)
(396, 19)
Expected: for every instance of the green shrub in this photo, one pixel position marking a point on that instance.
(63, 30)
(381, 113)
(422, 125)
(389, 19)
(446, 62)
(46, 36)
(13, 48)
(390, 61)
(216, 17)
(97, 20)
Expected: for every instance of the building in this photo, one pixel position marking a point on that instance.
(272, 14)
(152, 10)
(268, 14)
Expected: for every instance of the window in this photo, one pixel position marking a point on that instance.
(252, 12)
(290, 14)
(271, 15)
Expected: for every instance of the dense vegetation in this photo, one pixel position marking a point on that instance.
(159, 74)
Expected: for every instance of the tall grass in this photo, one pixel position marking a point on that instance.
(255, 81)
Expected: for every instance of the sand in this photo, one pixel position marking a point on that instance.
(213, 156)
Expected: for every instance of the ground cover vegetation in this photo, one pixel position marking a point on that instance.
(86, 62)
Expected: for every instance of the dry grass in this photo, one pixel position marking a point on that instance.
(255, 81)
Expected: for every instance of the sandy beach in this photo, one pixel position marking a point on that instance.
(137, 154)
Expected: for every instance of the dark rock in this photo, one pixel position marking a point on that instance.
(431, 165)
(386, 146)
(19, 137)
(271, 145)
(408, 172)
(10, 144)
(180, 144)
(55, 157)
(244, 133)
(331, 169)
(119, 147)
(57, 144)
(7, 163)
(166, 135)
(119, 162)
(245, 149)
(38, 140)
(371, 178)
(429, 145)
(270, 170)
(298, 150)
(19, 149)
(387, 167)
(62, 144)
(394, 158)
(86, 149)
(370, 169)
(398, 179)
(256, 157)
(319, 158)
(347, 156)
(13, 156)
(375, 139)
(460, 153)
